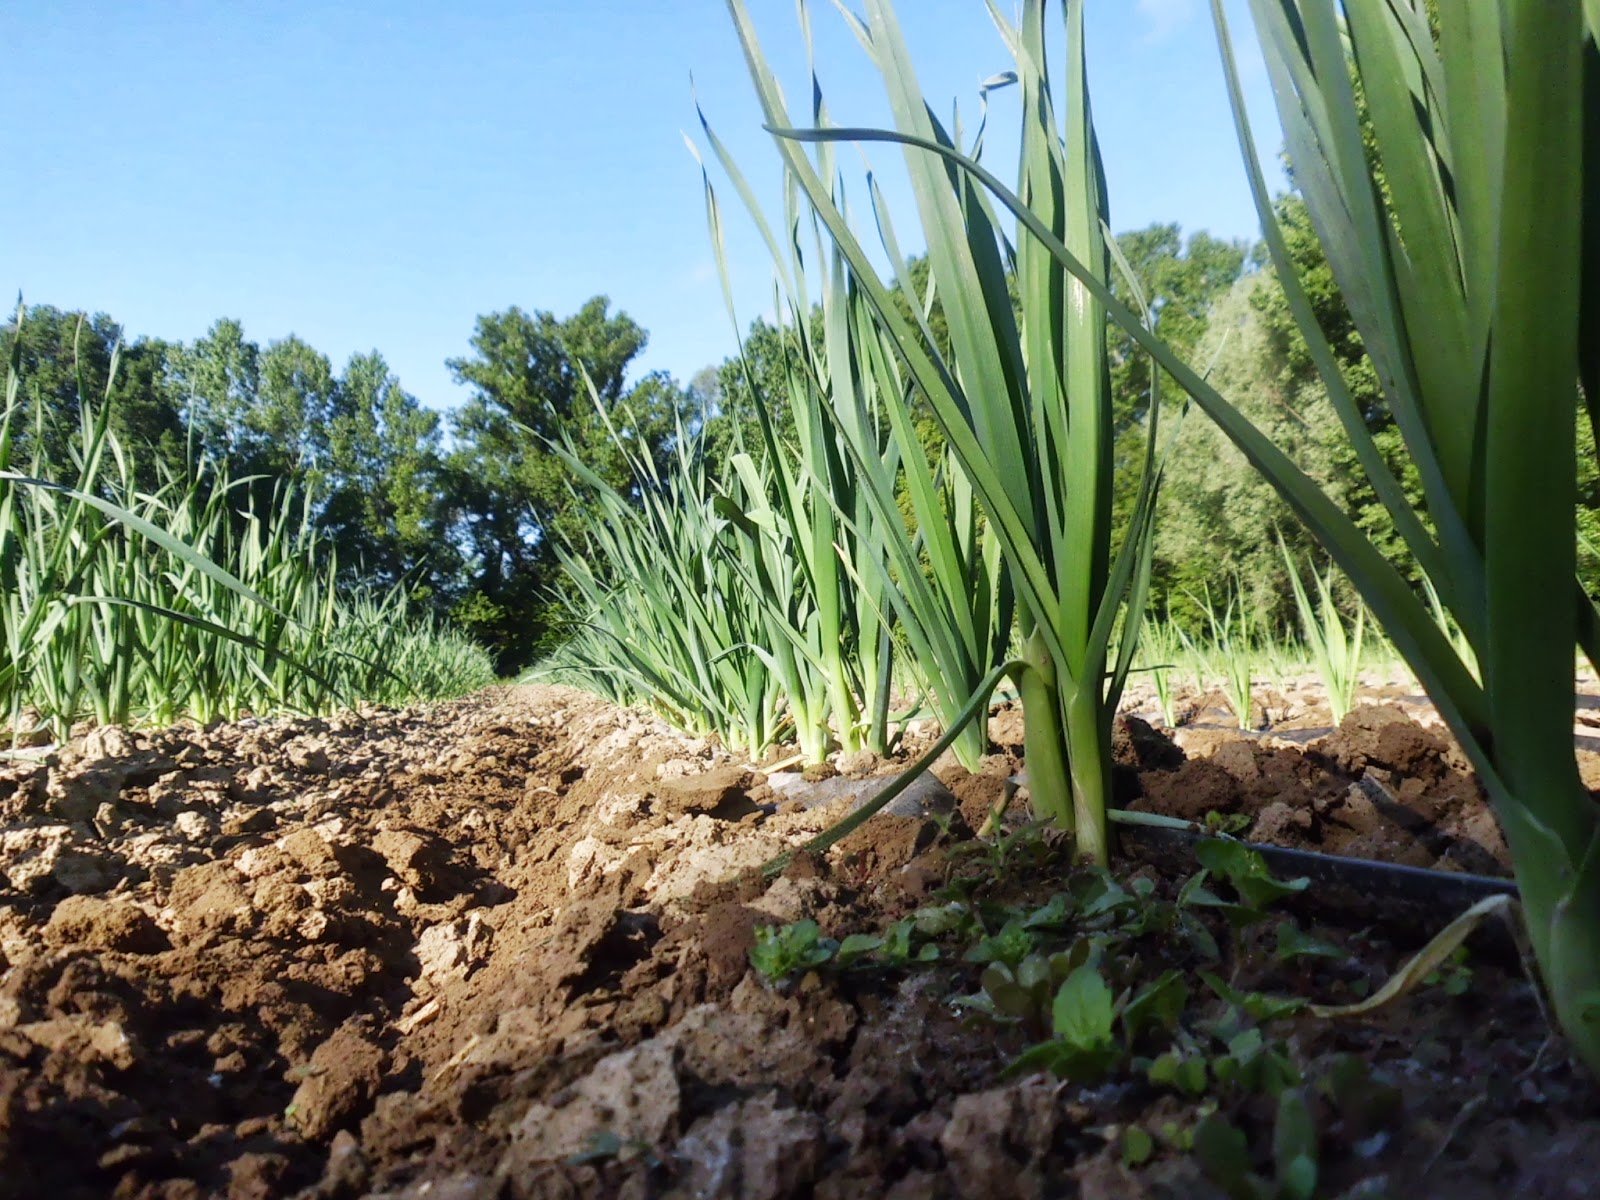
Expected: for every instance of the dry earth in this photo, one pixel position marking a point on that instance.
(500, 948)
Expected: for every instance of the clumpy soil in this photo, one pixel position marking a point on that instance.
(501, 948)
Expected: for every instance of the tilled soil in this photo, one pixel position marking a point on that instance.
(501, 948)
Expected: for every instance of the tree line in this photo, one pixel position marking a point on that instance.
(461, 506)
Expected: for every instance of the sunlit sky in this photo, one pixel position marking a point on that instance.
(376, 173)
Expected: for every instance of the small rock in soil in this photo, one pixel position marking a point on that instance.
(996, 1141)
(347, 1172)
(452, 950)
(41, 857)
(631, 1096)
(754, 1149)
(1282, 824)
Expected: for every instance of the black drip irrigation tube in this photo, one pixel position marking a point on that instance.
(1406, 903)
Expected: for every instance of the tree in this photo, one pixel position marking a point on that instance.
(384, 473)
(1217, 519)
(761, 377)
(1297, 374)
(219, 377)
(509, 495)
(1180, 282)
(286, 421)
(60, 350)
(147, 411)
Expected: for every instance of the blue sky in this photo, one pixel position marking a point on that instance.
(376, 173)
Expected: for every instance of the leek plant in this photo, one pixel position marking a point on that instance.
(1160, 644)
(1234, 649)
(1467, 249)
(1447, 157)
(659, 615)
(1023, 398)
(785, 562)
(1334, 644)
(749, 606)
(837, 543)
(927, 578)
(1450, 627)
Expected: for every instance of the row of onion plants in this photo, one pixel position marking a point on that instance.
(189, 599)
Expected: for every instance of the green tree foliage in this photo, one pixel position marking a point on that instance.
(385, 474)
(219, 379)
(57, 346)
(508, 492)
(1216, 516)
(469, 523)
(741, 386)
(1181, 280)
(363, 450)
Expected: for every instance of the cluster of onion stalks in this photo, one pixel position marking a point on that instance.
(120, 605)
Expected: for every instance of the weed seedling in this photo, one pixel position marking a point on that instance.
(1083, 1018)
(1454, 976)
(1224, 1154)
(784, 950)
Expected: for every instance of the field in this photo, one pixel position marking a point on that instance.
(1057, 713)
(503, 946)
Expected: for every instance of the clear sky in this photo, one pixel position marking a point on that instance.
(375, 173)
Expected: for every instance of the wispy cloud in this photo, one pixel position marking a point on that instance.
(1163, 18)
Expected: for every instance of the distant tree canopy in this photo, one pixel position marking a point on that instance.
(363, 451)
(466, 508)
(535, 378)
(465, 521)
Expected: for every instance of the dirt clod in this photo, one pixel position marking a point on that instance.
(96, 924)
(340, 1083)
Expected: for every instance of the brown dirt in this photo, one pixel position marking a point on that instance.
(500, 948)
(1380, 787)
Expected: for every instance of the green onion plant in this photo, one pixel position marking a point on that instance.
(1334, 642)
(926, 576)
(658, 614)
(1466, 227)
(1466, 245)
(1233, 650)
(1023, 397)
(1160, 644)
(1447, 157)
(119, 605)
